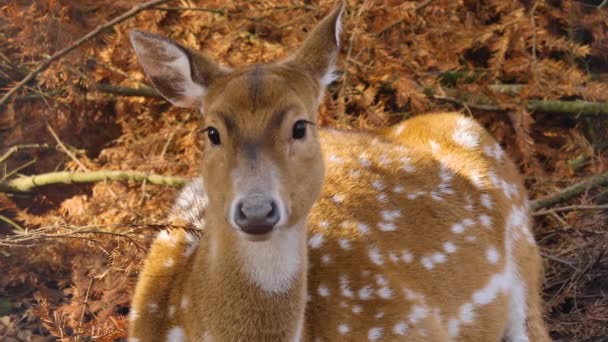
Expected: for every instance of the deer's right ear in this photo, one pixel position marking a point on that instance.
(179, 74)
(318, 53)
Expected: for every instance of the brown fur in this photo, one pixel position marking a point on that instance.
(411, 234)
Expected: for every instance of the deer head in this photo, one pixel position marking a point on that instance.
(262, 164)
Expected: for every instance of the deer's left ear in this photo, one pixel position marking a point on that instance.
(319, 51)
(181, 75)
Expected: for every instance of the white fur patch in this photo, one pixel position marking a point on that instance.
(176, 334)
(465, 133)
(273, 264)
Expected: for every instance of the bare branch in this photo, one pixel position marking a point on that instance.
(570, 192)
(44, 65)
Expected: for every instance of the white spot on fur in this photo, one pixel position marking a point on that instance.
(380, 280)
(357, 309)
(415, 195)
(406, 164)
(378, 185)
(438, 257)
(343, 329)
(465, 134)
(374, 334)
(171, 311)
(485, 220)
(325, 259)
(486, 201)
(418, 313)
(323, 290)
(344, 244)
(492, 255)
(453, 327)
(391, 215)
(169, 262)
(338, 198)
(471, 238)
(166, 237)
(323, 224)
(175, 334)
(400, 328)
(375, 256)
(393, 257)
(449, 247)
(379, 315)
(152, 307)
(366, 293)
(398, 189)
(387, 226)
(407, 256)
(427, 263)
(467, 313)
(363, 228)
(382, 198)
(185, 302)
(316, 241)
(457, 228)
(345, 289)
(468, 222)
(385, 292)
(365, 162)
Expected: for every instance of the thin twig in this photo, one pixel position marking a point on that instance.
(570, 208)
(85, 304)
(12, 223)
(45, 64)
(169, 140)
(24, 184)
(570, 192)
(65, 149)
(17, 148)
(15, 171)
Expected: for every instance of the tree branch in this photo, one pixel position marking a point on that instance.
(24, 184)
(44, 65)
(570, 192)
(482, 102)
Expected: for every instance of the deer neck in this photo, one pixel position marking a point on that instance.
(252, 290)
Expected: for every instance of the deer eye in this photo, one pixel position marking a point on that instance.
(213, 135)
(299, 129)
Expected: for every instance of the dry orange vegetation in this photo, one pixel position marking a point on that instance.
(534, 73)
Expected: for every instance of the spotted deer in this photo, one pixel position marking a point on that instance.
(416, 232)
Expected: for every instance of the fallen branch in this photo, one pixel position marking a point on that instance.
(570, 192)
(482, 102)
(44, 65)
(570, 208)
(24, 184)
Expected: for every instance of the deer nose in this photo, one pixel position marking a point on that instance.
(256, 214)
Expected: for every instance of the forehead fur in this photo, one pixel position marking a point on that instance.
(256, 93)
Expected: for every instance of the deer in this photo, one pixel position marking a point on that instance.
(420, 231)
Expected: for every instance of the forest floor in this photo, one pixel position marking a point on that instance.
(534, 73)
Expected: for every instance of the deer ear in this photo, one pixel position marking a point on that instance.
(318, 53)
(179, 74)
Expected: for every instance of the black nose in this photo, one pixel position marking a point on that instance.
(256, 214)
